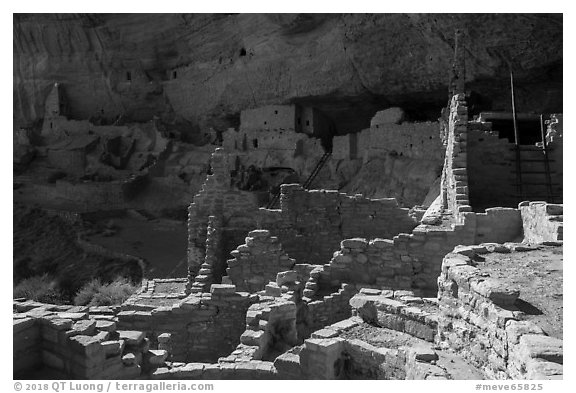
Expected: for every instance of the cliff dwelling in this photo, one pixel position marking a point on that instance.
(208, 201)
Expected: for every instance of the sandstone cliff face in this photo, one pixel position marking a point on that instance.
(200, 71)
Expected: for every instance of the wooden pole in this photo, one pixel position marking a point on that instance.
(514, 120)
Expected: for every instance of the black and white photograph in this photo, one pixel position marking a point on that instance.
(258, 196)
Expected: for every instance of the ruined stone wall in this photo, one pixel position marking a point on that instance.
(455, 174)
(265, 149)
(498, 224)
(542, 222)
(476, 320)
(75, 345)
(330, 309)
(250, 370)
(27, 354)
(408, 261)
(410, 140)
(311, 224)
(492, 169)
(216, 198)
(212, 270)
(413, 140)
(203, 326)
(413, 260)
(257, 262)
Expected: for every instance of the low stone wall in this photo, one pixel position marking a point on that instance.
(542, 222)
(326, 355)
(397, 310)
(204, 326)
(252, 370)
(498, 225)
(27, 354)
(77, 345)
(476, 320)
(331, 308)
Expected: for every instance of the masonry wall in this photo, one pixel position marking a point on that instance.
(74, 345)
(204, 327)
(26, 348)
(270, 117)
(454, 182)
(411, 140)
(492, 170)
(412, 260)
(251, 370)
(476, 320)
(311, 224)
(216, 198)
(257, 262)
(542, 222)
(330, 309)
(280, 148)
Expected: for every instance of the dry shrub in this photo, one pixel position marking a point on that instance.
(95, 293)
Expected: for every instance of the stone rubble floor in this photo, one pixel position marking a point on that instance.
(538, 276)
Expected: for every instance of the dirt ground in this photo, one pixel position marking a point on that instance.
(538, 276)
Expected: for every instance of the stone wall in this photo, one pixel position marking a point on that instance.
(413, 260)
(454, 183)
(330, 309)
(277, 148)
(258, 261)
(492, 169)
(398, 310)
(542, 222)
(252, 370)
(311, 224)
(411, 140)
(212, 270)
(497, 225)
(477, 321)
(27, 354)
(270, 117)
(203, 326)
(76, 345)
(216, 198)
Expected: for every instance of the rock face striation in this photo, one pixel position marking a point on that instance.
(199, 71)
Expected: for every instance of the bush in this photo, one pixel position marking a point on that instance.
(39, 288)
(94, 293)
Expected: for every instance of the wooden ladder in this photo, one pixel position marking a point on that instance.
(319, 165)
(535, 155)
